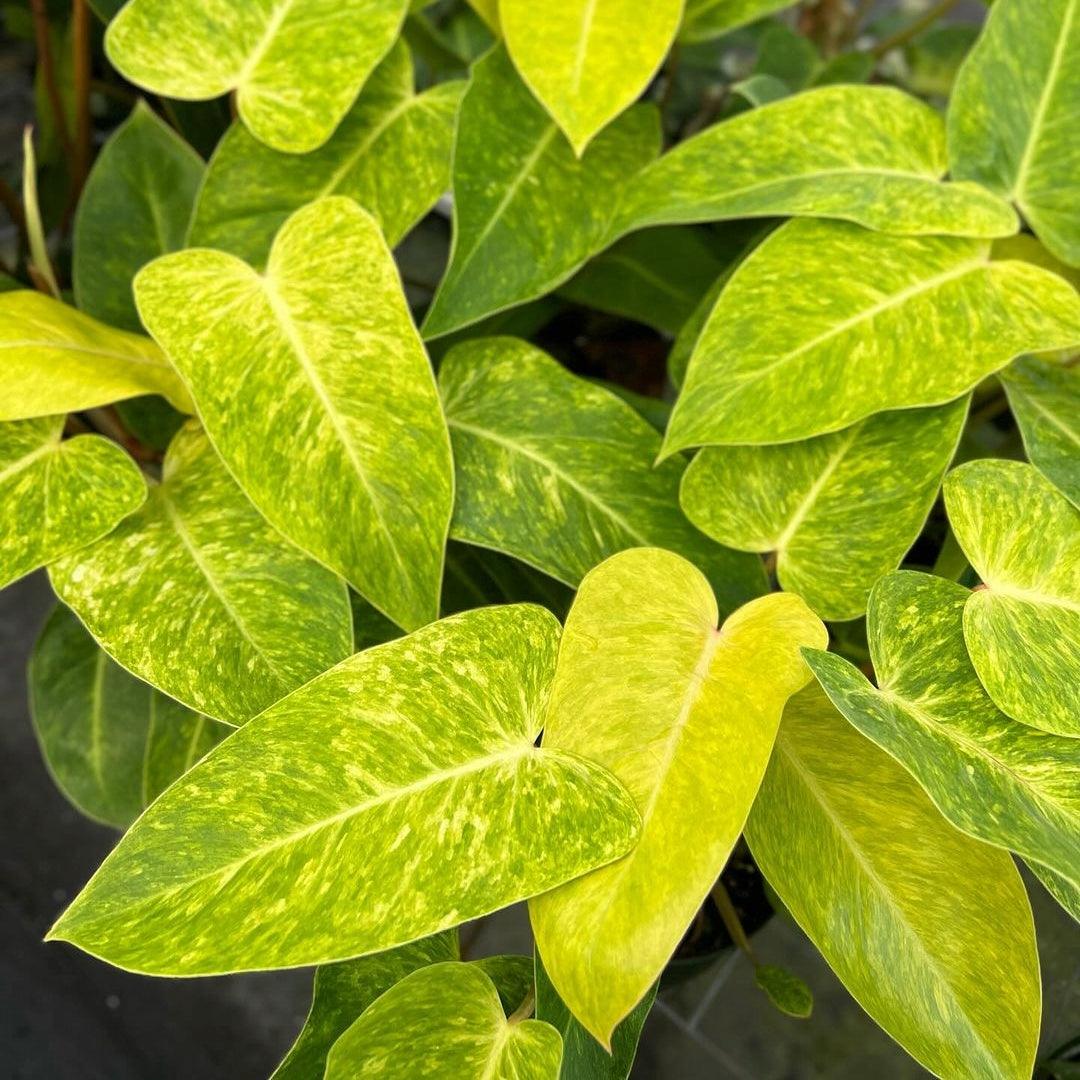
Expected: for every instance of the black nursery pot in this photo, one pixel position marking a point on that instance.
(708, 940)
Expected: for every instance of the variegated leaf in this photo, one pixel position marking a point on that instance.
(708, 19)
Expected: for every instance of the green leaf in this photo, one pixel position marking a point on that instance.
(512, 976)
(825, 324)
(58, 360)
(343, 991)
(527, 213)
(135, 206)
(708, 19)
(1022, 628)
(476, 577)
(558, 472)
(200, 597)
(996, 779)
(583, 1057)
(295, 67)
(315, 389)
(391, 154)
(912, 915)
(1012, 116)
(655, 277)
(871, 155)
(1064, 891)
(587, 61)
(685, 716)
(56, 496)
(1045, 400)
(111, 742)
(839, 510)
(445, 1021)
(786, 991)
(396, 795)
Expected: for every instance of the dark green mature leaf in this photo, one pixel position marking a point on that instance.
(296, 68)
(910, 913)
(685, 715)
(314, 388)
(1045, 399)
(559, 473)
(583, 1057)
(998, 780)
(399, 794)
(839, 510)
(707, 19)
(111, 742)
(825, 324)
(445, 1021)
(587, 62)
(136, 205)
(343, 991)
(1013, 113)
(656, 277)
(391, 153)
(1022, 630)
(527, 213)
(871, 155)
(58, 360)
(478, 576)
(196, 594)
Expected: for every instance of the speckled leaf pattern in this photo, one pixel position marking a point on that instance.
(198, 596)
(929, 930)
(445, 1022)
(136, 205)
(684, 714)
(588, 60)
(1022, 630)
(111, 742)
(57, 360)
(315, 389)
(343, 991)
(892, 322)
(839, 510)
(868, 154)
(391, 153)
(559, 473)
(296, 65)
(1045, 400)
(1012, 117)
(583, 1057)
(58, 496)
(527, 213)
(1065, 892)
(996, 779)
(397, 795)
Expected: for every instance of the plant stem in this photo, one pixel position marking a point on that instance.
(913, 29)
(80, 21)
(858, 17)
(48, 72)
(722, 899)
(525, 1009)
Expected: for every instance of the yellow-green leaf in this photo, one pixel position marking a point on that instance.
(527, 213)
(684, 714)
(588, 60)
(111, 742)
(399, 794)
(1045, 400)
(1012, 116)
(58, 496)
(296, 66)
(868, 154)
(559, 473)
(826, 323)
(1022, 628)
(58, 360)
(196, 594)
(391, 154)
(708, 19)
(839, 510)
(930, 930)
(315, 389)
(998, 780)
(445, 1021)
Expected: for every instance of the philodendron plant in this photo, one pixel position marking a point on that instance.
(384, 606)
